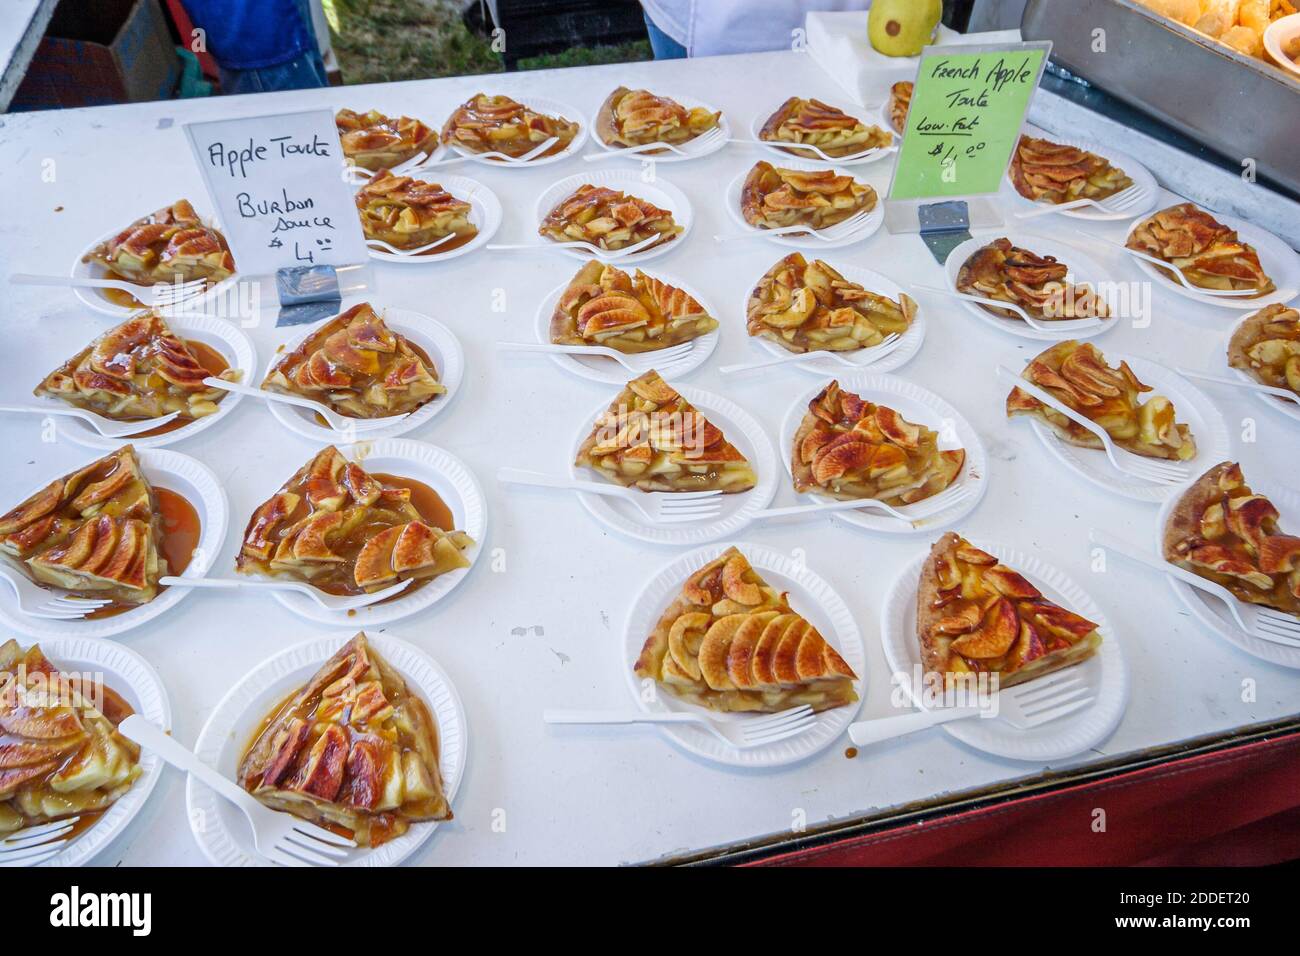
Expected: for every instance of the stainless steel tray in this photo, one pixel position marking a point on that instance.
(1236, 105)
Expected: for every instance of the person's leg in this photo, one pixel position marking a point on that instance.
(664, 46)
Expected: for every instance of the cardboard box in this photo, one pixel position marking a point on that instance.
(108, 51)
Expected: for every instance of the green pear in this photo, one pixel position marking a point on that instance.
(902, 27)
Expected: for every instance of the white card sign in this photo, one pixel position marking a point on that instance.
(278, 188)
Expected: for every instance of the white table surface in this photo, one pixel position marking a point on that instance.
(579, 795)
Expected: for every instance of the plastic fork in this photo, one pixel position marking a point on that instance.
(493, 154)
(835, 233)
(602, 254)
(1283, 393)
(418, 250)
(32, 846)
(330, 602)
(1023, 706)
(1257, 621)
(340, 423)
(359, 174)
(1053, 326)
(945, 500)
(743, 733)
(279, 837)
(637, 362)
(104, 426)
(1168, 267)
(816, 150)
(1157, 471)
(869, 356)
(657, 507)
(1116, 204)
(160, 295)
(697, 145)
(49, 603)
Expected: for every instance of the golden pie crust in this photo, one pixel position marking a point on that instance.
(1266, 346)
(1209, 254)
(807, 306)
(409, 213)
(359, 367)
(1054, 172)
(1223, 531)
(374, 141)
(977, 616)
(731, 642)
(773, 197)
(900, 101)
(60, 752)
(653, 439)
(170, 245)
(810, 122)
(353, 749)
(1036, 283)
(484, 124)
(636, 117)
(849, 448)
(608, 218)
(603, 305)
(138, 369)
(1076, 374)
(95, 532)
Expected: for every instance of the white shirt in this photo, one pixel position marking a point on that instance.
(710, 27)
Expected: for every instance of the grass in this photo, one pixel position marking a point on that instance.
(384, 41)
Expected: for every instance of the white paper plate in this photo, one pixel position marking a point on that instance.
(221, 334)
(1140, 175)
(1279, 260)
(740, 428)
(872, 282)
(127, 673)
(1106, 672)
(1280, 405)
(794, 241)
(667, 156)
(164, 468)
(436, 339)
(756, 126)
(916, 404)
(485, 215)
(222, 831)
(809, 596)
(1209, 610)
(657, 190)
(550, 107)
(1083, 268)
(455, 484)
(1191, 406)
(599, 368)
(97, 300)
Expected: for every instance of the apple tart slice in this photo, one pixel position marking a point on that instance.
(61, 755)
(637, 117)
(1076, 374)
(1208, 253)
(96, 532)
(374, 141)
(608, 218)
(139, 369)
(1223, 531)
(338, 528)
(603, 305)
(807, 307)
(773, 197)
(900, 101)
(1054, 172)
(810, 122)
(1038, 284)
(653, 439)
(359, 367)
(1266, 346)
(409, 213)
(731, 642)
(975, 615)
(170, 245)
(354, 749)
(487, 124)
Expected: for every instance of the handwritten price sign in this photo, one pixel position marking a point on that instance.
(967, 109)
(278, 188)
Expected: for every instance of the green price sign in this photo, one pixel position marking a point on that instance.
(967, 108)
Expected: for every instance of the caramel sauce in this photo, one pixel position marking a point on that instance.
(431, 506)
(851, 752)
(120, 297)
(213, 362)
